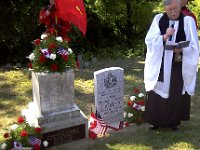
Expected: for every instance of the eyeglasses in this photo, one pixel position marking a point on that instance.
(172, 10)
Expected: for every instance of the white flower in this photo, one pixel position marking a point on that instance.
(3, 146)
(70, 51)
(14, 127)
(45, 143)
(31, 57)
(130, 115)
(132, 98)
(52, 56)
(124, 114)
(31, 124)
(43, 36)
(141, 95)
(59, 39)
(142, 108)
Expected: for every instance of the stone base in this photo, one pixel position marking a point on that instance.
(59, 127)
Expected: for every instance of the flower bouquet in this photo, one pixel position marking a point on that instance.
(23, 136)
(51, 54)
(134, 111)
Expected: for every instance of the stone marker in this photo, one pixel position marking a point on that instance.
(109, 94)
(54, 109)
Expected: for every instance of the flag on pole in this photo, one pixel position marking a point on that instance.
(72, 11)
(62, 51)
(102, 124)
(33, 141)
(137, 106)
(97, 127)
(17, 145)
(45, 52)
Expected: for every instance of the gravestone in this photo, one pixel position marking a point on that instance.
(54, 109)
(109, 94)
(80, 60)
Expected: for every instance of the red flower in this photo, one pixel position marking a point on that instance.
(52, 30)
(68, 39)
(49, 50)
(38, 129)
(127, 124)
(140, 102)
(77, 64)
(54, 67)
(36, 147)
(136, 90)
(140, 120)
(20, 120)
(6, 135)
(130, 103)
(23, 133)
(30, 65)
(52, 46)
(92, 135)
(37, 41)
(65, 57)
(42, 59)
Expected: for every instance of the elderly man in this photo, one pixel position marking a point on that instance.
(170, 83)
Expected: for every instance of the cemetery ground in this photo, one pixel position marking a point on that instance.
(16, 93)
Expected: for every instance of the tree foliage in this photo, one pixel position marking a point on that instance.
(110, 23)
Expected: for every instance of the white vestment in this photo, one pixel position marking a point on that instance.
(155, 48)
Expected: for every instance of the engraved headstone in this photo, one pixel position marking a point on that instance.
(48, 96)
(65, 135)
(109, 93)
(54, 109)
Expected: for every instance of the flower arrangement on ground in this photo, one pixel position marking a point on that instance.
(51, 54)
(23, 136)
(134, 111)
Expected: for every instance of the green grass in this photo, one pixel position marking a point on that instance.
(16, 93)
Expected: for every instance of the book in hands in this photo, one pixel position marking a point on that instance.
(171, 45)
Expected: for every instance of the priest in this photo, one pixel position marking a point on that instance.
(170, 75)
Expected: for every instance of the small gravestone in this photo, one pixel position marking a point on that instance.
(80, 60)
(109, 94)
(18, 65)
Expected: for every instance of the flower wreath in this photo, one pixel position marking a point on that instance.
(21, 135)
(51, 54)
(134, 111)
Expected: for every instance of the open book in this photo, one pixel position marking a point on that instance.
(171, 45)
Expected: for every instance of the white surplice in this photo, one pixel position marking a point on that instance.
(155, 48)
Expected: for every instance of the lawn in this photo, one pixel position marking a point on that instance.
(16, 93)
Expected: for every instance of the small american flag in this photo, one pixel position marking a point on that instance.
(103, 125)
(62, 51)
(137, 106)
(32, 141)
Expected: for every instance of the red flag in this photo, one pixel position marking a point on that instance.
(72, 11)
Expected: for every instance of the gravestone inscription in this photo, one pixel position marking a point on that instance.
(109, 93)
(65, 135)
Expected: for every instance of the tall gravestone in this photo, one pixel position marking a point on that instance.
(54, 109)
(109, 94)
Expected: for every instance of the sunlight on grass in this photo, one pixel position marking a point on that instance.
(16, 93)
(82, 86)
(128, 147)
(182, 146)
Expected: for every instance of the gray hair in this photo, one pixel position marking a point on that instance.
(167, 2)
